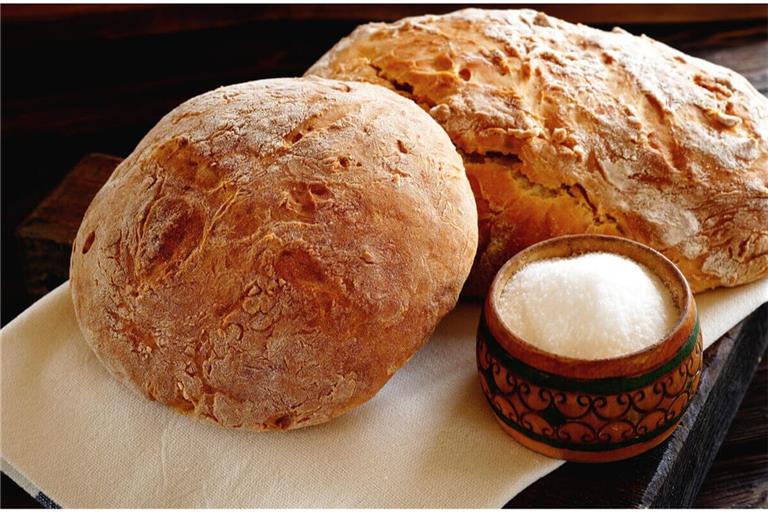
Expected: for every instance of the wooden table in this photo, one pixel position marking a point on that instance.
(668, 476)
(86, 80)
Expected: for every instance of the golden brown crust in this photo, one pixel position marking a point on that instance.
(568, 129)
(272, 252)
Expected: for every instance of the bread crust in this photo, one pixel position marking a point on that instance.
(272, 252)
(567, 129)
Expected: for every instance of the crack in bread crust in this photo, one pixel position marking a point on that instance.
(506, 158)
(492, 254)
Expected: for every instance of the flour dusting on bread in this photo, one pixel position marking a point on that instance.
(613, 133)
(273, 251)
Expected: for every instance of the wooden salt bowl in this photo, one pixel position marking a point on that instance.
(590, 410)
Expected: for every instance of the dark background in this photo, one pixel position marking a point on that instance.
(84, 78)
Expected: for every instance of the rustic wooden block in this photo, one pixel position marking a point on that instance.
(739, 476)
(45, 237)
(668, 476)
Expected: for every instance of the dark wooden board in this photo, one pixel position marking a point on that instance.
(668, 476)
(64, 22)
(46, 236)
(739, 476)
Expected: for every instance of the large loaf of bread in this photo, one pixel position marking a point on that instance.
(568, 129)
(273, 251)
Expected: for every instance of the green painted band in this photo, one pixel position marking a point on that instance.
(605, 386)
(588, 447)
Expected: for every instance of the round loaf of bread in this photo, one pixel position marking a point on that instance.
(567, 129)
(273, 251)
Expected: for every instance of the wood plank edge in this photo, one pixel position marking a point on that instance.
(30, 226)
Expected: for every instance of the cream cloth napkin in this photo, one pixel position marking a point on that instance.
(427, 439)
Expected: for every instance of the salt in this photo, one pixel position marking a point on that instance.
(592, 306)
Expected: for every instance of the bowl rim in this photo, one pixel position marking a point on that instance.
(634, 363)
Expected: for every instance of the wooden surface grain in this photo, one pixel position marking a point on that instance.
(119, 20)
(45, 237)
(739, 476)
(78, 79)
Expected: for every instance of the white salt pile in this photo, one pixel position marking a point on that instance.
(592, 306)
